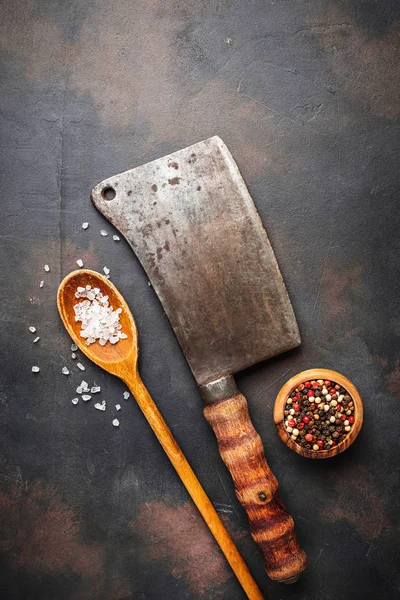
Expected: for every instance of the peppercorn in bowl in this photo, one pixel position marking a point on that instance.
(318, 413)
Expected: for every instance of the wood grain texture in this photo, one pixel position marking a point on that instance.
(121, 360)
(256, 487)
(286, 390)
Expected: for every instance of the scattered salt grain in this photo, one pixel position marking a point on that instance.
(75, 400)
(32, 329)
(73, 355)
(126, 395)
(85, 225)
(74, 347)
(79, 262)
(80, 366)
(106, 270)
(35, 369)
(100, 406)
(116, 238)
(65, 371)
(86, 397)
(103, 232)
(95, 389)
(84, 386)
(149, 284)
(99, 320)
(118, 407)
(115, 422)
(36, 339)
(41, 284)
(46, 268)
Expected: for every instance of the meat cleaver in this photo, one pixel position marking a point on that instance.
(191, 222)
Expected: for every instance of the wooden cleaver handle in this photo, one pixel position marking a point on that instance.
(242, 451)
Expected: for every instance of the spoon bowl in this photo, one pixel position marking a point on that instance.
(110, 356)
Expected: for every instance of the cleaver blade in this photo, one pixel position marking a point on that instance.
(193, 225)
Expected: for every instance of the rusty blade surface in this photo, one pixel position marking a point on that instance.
(194, 227)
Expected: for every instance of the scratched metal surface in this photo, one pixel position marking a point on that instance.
(191, 222)
(306, 96)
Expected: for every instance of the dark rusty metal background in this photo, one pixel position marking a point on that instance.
(194, 227)
(306, 95)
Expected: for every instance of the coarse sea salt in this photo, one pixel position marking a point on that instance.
(46, 268)
(115, 422)
(103, 232)
(36, 339)
(99, 320)
(80, 366)
(86, 397)
(84, 387)
(41, 284)
(79, 262)
(85, 225)
(116, 238)
(32, 329)
(65, 371)
(75, 400)
(126, 395)
(74, 347)
(73, 355)
(95, 389)
(100, 406)
(35, 369)
(117, 407)
(106, 270)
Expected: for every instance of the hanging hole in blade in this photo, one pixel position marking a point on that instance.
(108, 193)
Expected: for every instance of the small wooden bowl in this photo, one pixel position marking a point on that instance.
(286, 390)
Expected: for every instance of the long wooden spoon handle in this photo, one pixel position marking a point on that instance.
(192, 485)
(242, 451)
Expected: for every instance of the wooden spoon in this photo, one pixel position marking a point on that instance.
(121, 359)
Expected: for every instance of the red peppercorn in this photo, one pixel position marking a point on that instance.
(308, 437)
(332, 391)
(343, 417)
(300, 426)
(292, 423)
(339, 408)
(320, 443)
(333, 443)
(298, 396)
(301, 386)
(327, 382)
(307, 384)
(351, 419)
(306, 419)
(296, 407)
(315, 385)
(311, 393)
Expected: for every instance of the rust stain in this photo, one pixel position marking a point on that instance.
(356, 501)
(179, 535)
(129, 193)
(393, 380)
(174, 181)
(174, 165)
(41, 534)
(376, 61)
(198, 188)
(341, 288)
(154, 187)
